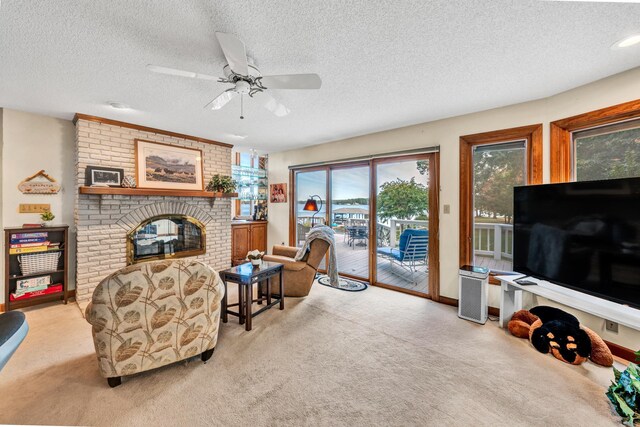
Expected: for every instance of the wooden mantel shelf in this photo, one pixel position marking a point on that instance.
(153, 192)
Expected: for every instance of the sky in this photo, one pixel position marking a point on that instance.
(354, 182)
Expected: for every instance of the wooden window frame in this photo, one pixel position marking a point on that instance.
(561, 145)
(533, 136)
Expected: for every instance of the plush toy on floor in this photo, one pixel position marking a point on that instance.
(552, 330)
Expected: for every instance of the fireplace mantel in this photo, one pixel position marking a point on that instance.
(153, 192)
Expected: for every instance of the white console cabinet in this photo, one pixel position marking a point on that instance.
(511, 301)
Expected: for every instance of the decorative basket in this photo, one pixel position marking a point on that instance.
(39, 263)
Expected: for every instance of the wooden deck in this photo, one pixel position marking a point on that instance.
(355, 261)
(493, 264)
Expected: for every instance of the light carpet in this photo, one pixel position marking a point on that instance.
(334, 358)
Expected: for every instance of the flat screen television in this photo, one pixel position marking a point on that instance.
(581, 235)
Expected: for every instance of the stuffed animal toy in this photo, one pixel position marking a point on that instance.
(552, 330)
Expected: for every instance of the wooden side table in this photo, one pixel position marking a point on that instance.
(246, 275)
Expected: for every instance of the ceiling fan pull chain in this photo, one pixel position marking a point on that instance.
(241, 106)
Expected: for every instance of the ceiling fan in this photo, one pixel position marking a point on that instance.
(245, 78)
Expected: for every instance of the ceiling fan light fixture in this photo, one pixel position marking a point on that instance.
(627, 42)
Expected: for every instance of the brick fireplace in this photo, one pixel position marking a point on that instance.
(104, 221)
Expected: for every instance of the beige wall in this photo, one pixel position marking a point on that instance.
(445, 133)
(32, 142)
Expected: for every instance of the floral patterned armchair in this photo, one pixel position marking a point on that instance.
(152, 314)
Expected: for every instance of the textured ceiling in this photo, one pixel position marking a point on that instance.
(383, 64)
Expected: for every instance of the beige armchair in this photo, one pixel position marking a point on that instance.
(299, 275)
(152, 314)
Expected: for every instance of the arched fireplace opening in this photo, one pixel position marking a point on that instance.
(166, 236)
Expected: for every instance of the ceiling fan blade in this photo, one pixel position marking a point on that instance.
(235, 52)
(222, 99)
(271, 104)
(181, 73)
(292, 81)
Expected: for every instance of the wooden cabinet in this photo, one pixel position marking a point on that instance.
(259, 236)
(247, 236)
(240, 239)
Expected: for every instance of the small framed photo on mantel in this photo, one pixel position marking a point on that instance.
(98, 176)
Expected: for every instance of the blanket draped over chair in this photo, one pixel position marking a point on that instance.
(325, 233)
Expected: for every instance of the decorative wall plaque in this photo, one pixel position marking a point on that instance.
(39, 183)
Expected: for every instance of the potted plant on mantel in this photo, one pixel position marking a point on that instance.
(222, 184)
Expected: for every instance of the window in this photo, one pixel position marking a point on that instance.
(491, 164)
(497, 168)
(607, 152)
(599, 144)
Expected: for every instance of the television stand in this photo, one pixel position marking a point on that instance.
(511, 301)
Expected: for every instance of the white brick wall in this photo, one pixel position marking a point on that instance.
(103, 221)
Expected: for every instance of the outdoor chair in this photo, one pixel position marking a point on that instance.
(412, 251)
(356, 234)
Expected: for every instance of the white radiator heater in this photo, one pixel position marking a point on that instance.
(473, 291)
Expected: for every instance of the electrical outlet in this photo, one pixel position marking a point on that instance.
(611, 326)
(447, 209)
(34, 207)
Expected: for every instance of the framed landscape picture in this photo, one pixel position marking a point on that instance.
(97, 175)
(167, 166)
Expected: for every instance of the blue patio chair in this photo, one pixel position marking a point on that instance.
(411, 252)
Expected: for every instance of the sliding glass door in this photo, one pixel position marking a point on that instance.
(384, 213)
(402, 223)
(350, 219)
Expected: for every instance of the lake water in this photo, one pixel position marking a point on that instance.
(323, 210)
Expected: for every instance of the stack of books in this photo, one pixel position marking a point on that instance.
(16, 296)
(33, 284)
(24, 243)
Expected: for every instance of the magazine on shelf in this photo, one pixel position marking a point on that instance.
(19, 293)
(33, 235)
(32, 282)
(15, 251)
(29, 245)
(28, 240)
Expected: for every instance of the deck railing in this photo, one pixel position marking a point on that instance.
(493, 240)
